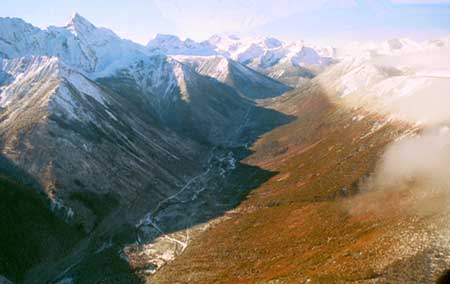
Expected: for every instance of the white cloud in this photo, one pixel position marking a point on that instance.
(200, 19)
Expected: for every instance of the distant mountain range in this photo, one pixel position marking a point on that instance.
(284, 61)
(99, 52)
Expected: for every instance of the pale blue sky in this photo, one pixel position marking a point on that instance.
(316, 20)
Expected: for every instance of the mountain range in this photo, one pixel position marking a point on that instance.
(124, 163)
(104, 126)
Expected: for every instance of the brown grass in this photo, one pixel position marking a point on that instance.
(297, 227)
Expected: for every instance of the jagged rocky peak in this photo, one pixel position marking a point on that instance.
(85, 30)
(78, 22)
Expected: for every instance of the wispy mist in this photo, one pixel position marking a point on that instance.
(413, 177)
(422, 160)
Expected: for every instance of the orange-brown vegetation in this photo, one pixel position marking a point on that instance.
(299, 226)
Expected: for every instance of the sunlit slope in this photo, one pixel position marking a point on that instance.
(312, 223)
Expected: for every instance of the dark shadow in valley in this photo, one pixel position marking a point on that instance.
(216, 115)
(228, 124)
(30, 232)
(224, 184)
(38, 244)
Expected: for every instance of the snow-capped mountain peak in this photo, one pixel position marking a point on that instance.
(79, 23)
(79, 44)
(267, 55)
(173, 45)
(88, 33)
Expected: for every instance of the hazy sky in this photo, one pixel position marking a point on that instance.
(325, 20)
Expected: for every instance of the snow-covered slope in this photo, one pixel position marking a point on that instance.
(170, 44)
(79, 44)
(246, 81)
(411, 83)
(291, 63)
(394, 46)
(100, 55)
(181, 98)
(54, 116)
(266, 55)
(269, 51)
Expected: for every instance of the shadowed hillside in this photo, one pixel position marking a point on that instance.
(30, 233)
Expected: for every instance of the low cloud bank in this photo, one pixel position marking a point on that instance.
(422, 160)
(413, 176)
